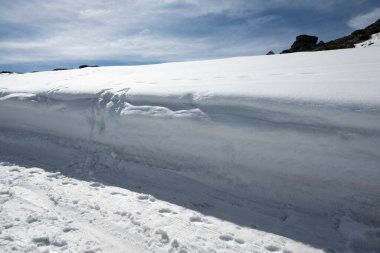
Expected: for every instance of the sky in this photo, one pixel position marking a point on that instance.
(46, 34)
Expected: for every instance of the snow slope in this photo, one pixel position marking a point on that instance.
(299, 133)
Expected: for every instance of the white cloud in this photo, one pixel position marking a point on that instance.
(147, 30)
(75, 30)
(363, 20)
(94, 13)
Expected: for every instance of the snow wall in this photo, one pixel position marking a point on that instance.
(321, 157)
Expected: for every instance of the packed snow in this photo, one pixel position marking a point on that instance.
(251, 154)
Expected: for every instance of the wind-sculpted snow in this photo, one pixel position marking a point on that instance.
(300, 130)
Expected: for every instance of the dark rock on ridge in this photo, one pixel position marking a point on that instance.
(88, 66)
(305, 43)
(58, 69)
(6, 72)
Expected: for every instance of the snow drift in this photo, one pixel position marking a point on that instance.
(300, 130)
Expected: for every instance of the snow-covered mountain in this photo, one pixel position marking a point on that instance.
(251, 154)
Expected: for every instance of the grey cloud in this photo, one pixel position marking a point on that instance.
(362, 20)
(146, 30)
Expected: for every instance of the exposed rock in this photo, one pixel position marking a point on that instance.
(286, 51)
(58, 69)
(6, 72)
(303, 43)
(270, 53)
(349, 41)
(88, 66)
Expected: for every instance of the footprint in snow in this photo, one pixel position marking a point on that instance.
(94, 206)
(118, 193)
(7, 225)
(46, 241)
(123, 213)
(196, 219)
(239, 241)
(96, 184)
(146, 197)
(58, 242)
(6, 193)
(7, 238)
(143, 197)
(32, 218)
(175, 244)
(164, 210)
(164, 236)
(69, 229)
(89, 251)
(54, 175)
(68, 182)
(228, 238)
(55, 199)
(272, 248)
(41, 241)
(34, 172)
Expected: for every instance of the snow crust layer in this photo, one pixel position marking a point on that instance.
(299, 129)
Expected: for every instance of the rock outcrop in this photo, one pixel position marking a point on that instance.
(309, 43)
(59, 69)
(303, 43)
(88, 66)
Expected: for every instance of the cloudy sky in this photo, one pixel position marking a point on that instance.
(43, 34)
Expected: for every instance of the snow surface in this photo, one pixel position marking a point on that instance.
(251, 154)
(373, 42)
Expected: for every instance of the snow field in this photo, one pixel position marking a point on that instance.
(281, 145)
(44, 211)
